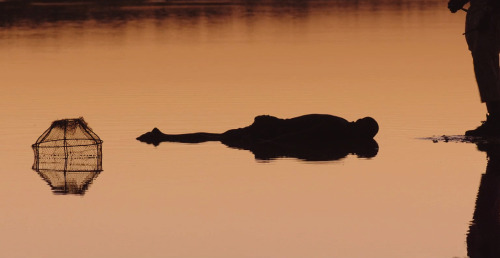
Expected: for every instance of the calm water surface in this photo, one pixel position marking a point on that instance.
(210, 68)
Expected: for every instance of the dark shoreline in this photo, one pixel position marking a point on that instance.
(36, 12)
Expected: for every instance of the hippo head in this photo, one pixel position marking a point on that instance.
(366, 127)
(154, 137)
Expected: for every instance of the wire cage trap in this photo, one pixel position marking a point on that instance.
(68, 155)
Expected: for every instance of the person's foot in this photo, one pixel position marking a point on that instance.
(490, 127)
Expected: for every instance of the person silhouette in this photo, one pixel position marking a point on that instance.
(482, 33)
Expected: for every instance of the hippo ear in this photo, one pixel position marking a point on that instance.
(367, 127)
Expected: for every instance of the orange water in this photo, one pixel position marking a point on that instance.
(212, 68)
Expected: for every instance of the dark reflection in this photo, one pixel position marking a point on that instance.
(328, 151)
(312, 137)
(36, 14)
(68, 156)
(69, 182)
(483, 239)
(39, 12)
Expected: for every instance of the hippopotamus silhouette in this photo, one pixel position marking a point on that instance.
(309, 137)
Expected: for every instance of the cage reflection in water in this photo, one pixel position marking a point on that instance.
(68, 156)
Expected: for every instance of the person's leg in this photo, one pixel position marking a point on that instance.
(493, 108)
(485, 54)
(486, 69)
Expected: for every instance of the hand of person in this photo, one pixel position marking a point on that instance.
(455, 5)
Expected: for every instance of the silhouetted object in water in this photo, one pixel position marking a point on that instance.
(482, 32)
(68, 156)
(483, 238)
(312, 137)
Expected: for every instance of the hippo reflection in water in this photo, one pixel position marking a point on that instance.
(311, 137)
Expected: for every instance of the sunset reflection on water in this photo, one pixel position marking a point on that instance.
(215, 67)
